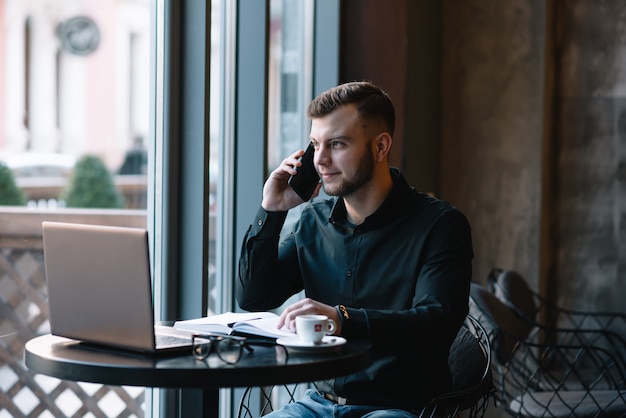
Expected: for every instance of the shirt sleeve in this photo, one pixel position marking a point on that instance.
(262, 282)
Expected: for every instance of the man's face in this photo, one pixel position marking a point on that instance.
(344, 155)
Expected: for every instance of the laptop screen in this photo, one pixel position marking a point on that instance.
(99, 285)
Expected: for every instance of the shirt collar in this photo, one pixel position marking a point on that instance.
(390, 205)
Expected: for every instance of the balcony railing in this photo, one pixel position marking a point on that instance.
(24, 315)
(41, 190)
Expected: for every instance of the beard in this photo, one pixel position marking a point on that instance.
(361, 176)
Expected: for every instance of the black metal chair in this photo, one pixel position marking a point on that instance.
(604, 329)
(511, 288)
(470, 366)
(548, 372)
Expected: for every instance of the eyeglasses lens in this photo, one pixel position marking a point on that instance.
(229, 350)
(201, 347)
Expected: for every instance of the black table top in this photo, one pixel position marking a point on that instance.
(72, 360)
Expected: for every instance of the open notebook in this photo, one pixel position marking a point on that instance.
(99, 288)
(255, 324)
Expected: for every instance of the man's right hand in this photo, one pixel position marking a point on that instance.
(278, 196)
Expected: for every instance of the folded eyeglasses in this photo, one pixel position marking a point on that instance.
(228, 347)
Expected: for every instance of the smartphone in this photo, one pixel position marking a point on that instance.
(306, 180)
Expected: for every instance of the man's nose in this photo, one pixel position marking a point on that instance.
(321, 156)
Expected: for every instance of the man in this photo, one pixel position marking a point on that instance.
(387, 263)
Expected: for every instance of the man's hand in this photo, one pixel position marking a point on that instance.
(278, 196)
(308, 307)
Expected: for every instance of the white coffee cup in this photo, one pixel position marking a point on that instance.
(312, 328)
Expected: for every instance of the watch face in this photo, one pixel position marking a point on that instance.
(79, 35)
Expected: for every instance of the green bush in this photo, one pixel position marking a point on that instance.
(10, 194)
(91, 186)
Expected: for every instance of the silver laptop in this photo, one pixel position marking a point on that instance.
(99, 288)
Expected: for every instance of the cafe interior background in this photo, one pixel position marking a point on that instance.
(511, 110)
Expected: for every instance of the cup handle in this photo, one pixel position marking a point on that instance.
(330, 326)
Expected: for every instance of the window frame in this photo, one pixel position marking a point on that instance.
(179, 173)
(179, 163)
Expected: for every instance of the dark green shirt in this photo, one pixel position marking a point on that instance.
(403, 276)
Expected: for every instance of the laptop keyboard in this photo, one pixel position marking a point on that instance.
(164, 340)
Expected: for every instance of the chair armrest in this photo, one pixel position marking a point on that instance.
(578, 319)
(604, 339)
(551, 366)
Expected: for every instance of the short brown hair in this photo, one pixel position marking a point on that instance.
(370, 100)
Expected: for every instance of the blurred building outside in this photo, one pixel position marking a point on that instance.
(75, 79)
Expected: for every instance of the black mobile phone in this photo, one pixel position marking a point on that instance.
(306, 180)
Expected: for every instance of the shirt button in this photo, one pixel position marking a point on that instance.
(349, 273)
(260, 222)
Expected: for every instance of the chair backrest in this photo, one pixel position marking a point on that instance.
(469, 361)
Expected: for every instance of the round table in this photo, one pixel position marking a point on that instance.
(69, 359)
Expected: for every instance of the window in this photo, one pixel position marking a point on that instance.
(75, 82)
(123, 80)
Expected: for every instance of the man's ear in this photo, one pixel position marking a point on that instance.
(383, 146)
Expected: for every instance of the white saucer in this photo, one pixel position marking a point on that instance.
(329, 342)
